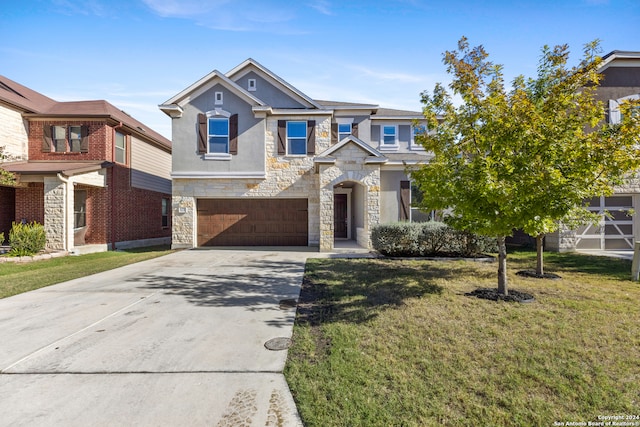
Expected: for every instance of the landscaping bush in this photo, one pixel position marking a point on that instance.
(26, 239)
(428, 239)
(1, 238)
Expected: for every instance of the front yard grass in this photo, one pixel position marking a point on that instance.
(397, 343)
(16, 278)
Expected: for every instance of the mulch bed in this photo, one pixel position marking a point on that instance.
(493, 295)
(534, 275)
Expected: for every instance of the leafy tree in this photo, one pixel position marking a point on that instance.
(524, 158)
(6, 177)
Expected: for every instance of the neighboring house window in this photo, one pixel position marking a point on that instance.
(344, 130)
(64, 139)
(615, 115)
(218, 135)
(121, 148)
(79, 208)
(165, 212)
(389, 137)
(415, 131)
(296, 138)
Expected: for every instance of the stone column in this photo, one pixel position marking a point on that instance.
(55, 199)
(183, 222)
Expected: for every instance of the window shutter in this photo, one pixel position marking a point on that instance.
(354, 129)
(282, 137)
(311, 137)
(202, 133)
(47, 141)
(84, 139)
(334, 133)
(405, 200)
(233, 134)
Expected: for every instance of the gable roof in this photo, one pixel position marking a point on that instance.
(326, 156)
(252, 65)
(619, 55)
(175, 103)
(34, 104)
(22, 97)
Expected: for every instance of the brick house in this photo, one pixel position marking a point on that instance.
(257, 162)
(97, 178)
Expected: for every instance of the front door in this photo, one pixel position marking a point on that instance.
(340, 216)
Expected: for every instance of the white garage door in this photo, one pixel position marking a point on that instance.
(615, 230)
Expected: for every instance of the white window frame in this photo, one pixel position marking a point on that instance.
(219, 98)
(251, 85)
(218, 113)
(413, 145)
(615, 117)
(289, 153)
(389, 147)
(210, 135)
(122, 149)
(343, 135)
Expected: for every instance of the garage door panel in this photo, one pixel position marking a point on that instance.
(252, 222)
(616, 229)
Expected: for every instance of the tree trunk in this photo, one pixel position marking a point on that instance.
(540, 255)
(502, 266)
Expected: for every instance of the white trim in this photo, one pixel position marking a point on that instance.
(235, 73)
(344, 120)
(204, 174)
(360, 143)
(204, 84)
(293, 112)
(389, 147)
(217, 156)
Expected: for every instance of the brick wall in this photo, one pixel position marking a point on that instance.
(30, 202)
(100, 137)
(137, 212)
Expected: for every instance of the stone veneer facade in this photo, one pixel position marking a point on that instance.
(286, 177)
(350, 166)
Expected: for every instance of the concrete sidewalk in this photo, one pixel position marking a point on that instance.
(177, 340)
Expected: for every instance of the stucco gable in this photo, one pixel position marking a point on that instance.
(173, 106)
(331, 154)
(252, 65)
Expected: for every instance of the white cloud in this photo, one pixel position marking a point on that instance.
(322, 6)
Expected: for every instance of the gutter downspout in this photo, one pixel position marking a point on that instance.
(113, 188)
(66, 245)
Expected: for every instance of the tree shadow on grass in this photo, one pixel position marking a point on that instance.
(356, 290)
(614, 268)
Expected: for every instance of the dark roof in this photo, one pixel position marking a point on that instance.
(22, 97)
(35, 167)
(390, 112)
(343, 104)
(35, 104)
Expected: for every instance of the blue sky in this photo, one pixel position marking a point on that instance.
(138, 53)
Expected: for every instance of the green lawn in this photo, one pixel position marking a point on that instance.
(24, 277)
(397, 343)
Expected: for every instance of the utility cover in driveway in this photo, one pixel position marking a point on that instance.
(252, 222)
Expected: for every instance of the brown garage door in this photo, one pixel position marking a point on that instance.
(252, 222)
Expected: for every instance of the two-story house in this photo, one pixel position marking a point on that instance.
(619, 228)
(97, 178)
(257, 162)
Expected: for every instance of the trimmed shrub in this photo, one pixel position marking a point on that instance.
(428, 239)
(26, 239)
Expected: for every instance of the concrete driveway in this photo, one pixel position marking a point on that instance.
(174, 341)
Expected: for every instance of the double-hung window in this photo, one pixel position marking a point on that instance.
(344, 130)
(66, 138)
(388, 137)
(165, 212)
(416, 131)
(121, 148)
(297, 138)
(218, 135)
